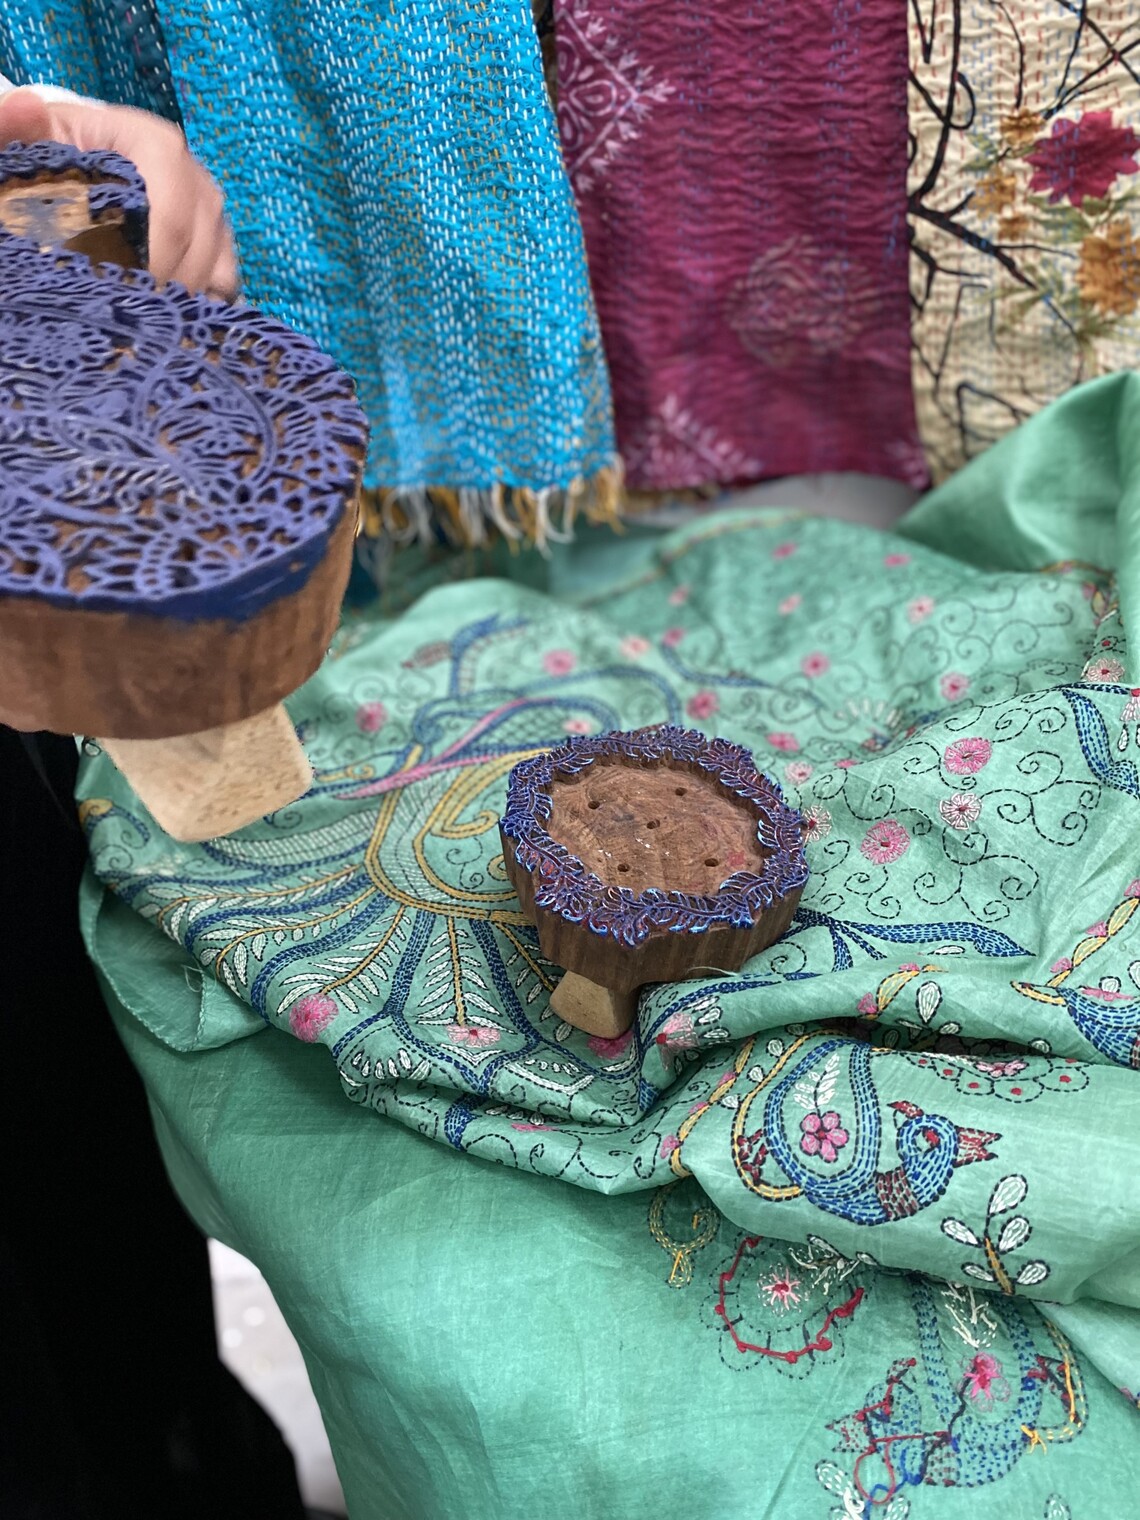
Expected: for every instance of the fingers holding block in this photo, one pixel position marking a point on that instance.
(202, 786)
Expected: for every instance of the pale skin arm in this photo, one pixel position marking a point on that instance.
(190, 239)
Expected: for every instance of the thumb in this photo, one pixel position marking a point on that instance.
(24, 117)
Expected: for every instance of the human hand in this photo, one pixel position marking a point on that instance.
(190, 239)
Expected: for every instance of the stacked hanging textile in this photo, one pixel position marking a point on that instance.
(740, 173)
(1025, 205)
(396, 189)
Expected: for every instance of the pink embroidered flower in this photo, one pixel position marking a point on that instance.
(954, 685)
(965, 757)
(784, 551)
(816, 824)
(672, 637)
(920, 608)
(1001, 1068)
(1082, 158)
(885, 842)
(530, 1128)
(472, 1034)
(609, 1050)
(787, 742)
(893, 561)
(868, 1005)
(578, 726)
(1103, 669)
(678, 1031)
(815, 664)
(1097, 930)
(559, 662)
(678, 596)
(960, 811)
(371, 717)
(797, 772)
(1064, 964)
(789, 604)
(703, 705)
(1133, 888)
(845, 765)
(634, 647)
(823, 1135)
(310, 1016)
(669, 1145)
(983, 1379)
(780, 1288)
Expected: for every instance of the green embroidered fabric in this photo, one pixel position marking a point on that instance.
(853, 1232)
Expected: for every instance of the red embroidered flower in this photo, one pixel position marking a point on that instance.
(1082, 158)
(954, 685)
(885, 842)
(815, 664)
(672, 637)
(311, 1016)
(703, 705)
(983, 1379)
(559, 662)
(471, 1034)
(371, 717)
(965, 757)
(787, 742)
(783, 551)
(609, 1050)
(822, 1135)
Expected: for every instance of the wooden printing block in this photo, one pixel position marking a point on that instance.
(648, 857)
(178, 502)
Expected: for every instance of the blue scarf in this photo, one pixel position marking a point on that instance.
(395, 183)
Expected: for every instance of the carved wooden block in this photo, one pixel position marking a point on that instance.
(648, 857)
(89, 203)
(178, 501)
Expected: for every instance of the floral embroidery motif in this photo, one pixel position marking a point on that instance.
(1080, 159)
(311, 1016)
(703, 705)
(1024, 202)
(982, 1379)
(960, 811)
(817, 824)
(965, 757)
(605, 95)
(816, 664)
(823, 1135)
(954, 685)
(1104, 669)
(885, 842)
(371, 717)
(559, 662)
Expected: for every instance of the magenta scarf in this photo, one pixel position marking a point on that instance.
(741, 177)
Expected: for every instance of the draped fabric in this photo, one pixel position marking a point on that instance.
(934, 1072)
(740, 174)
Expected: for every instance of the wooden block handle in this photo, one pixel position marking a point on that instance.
(204, 785)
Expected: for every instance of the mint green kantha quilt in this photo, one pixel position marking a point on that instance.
(854, 1232)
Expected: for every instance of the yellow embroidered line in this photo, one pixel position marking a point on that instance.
(685, 1129)
(509, 933)
(705, 1225)
(456, 977)
(1002, 1277)
(309, 923)
(1033, 1437)
(376, 950)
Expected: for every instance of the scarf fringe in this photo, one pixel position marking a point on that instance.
(473, 519)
